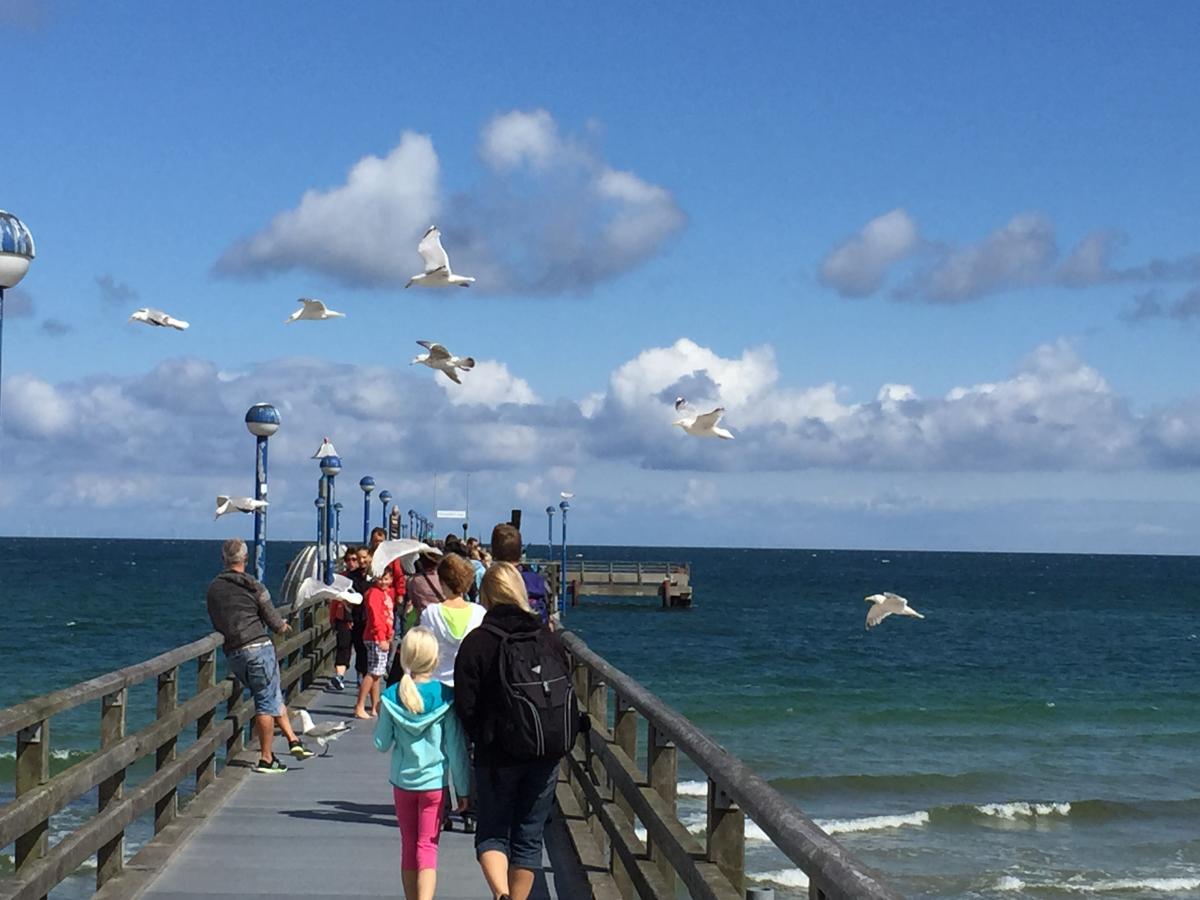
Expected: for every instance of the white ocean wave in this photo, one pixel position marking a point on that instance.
(1162, 885)
(692, 789)
(1021, 810)
(873, 823)
(792, 878)
(1009, 883)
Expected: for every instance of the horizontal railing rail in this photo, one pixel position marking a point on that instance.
(609, 791)
(303, 653)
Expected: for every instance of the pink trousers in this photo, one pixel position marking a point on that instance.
(419, 814)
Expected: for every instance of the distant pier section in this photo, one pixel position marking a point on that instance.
(670, 582)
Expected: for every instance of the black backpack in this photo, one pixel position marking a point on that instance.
(540, 714)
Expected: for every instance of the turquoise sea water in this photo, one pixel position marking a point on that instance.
(1036, 735)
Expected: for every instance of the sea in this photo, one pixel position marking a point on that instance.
(1037, 734)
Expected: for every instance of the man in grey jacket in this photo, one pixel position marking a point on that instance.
(241, 610)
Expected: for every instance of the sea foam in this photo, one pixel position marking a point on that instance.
(1020, 810)
(873, 823)
(792, 878)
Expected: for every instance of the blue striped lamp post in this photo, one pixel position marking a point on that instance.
(337, 531)
(367, 483)
(330, 466)
(16, 253)
(385, 497)
(549, 533)
(562, 596)
(319, 503)
(262, 421)
(412, 524)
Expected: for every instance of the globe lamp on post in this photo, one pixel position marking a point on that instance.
(385, 498)
(367, 483)
(330, 466)
(16, 253)
(562, 596)
(549, 533)
(262, 421)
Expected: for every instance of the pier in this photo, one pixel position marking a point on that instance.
(670, 582)
(326, 828)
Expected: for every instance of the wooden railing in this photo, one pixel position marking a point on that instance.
(606, 791)
(220, 716)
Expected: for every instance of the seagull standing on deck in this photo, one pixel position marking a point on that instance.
(159, 318)
(439, 358)
(886, 604)
(313, 309)
(703, 425)
(437, 264)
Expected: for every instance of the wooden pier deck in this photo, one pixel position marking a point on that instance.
(327, 828)
(671, 582)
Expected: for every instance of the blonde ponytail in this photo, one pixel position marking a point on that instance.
(418, 656)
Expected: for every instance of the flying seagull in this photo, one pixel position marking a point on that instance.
(439, 358)
(323, 734)
(342, 589)
(702, 426)
(313, 309)
(404, 549)
(883, 605)
(237, 504)
(326, 449)
(437, 264)
(566, 495)
(159, 318)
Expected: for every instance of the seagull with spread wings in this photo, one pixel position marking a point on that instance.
(313, 309)
(437, 264)
(237, 504)
(159, 318)
(702, 425)
(886, 604)
(441, 359)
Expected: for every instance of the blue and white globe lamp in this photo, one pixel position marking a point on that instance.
(262, 421)
(16, 253)
(367, 483)
(330, 467)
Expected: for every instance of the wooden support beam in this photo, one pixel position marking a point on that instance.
(206, 677)
(726, 845)
(33, 770)
(167, 806)
(110, 858)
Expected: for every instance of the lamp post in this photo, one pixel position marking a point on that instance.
(549, 533)
(16, 253)
(337, 530)
(367, 483)
(319, 503)
(330, 466)
(412, 524)
(262, 421)
(562, 595)
(385, 497)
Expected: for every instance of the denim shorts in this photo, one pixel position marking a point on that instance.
(257, 668)
(513, 803)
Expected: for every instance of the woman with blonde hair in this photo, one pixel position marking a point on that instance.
(429, 759)
(516, 759)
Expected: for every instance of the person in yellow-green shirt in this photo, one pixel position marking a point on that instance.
(454, 618)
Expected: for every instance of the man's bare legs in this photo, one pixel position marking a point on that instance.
(495, 871)
(264, 727)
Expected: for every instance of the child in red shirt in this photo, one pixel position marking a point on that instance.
(377, 636)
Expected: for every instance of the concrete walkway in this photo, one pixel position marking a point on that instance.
(327, 828)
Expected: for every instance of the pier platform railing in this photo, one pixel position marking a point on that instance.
(216, 710)
(606, 791)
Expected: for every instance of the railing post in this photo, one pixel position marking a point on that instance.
(166, 808)
(33, 769)
(206, 677)
(726, 845)
(662, 769)
(236, 742)
(110, 858)
(306, 624)
(597, 706)
(625, 737)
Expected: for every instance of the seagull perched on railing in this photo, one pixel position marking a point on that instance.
(313, 309)
(886, 604)
(237, 504)
(159, 318)
(437, 264)
(440, 358)
(702, 425)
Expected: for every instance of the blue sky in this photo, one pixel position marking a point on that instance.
(991, 209)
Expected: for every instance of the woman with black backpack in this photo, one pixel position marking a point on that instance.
(513, 693)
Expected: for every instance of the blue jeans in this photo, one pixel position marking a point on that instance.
(258, 669)
(512, 805)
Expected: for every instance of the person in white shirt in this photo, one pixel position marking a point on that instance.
(454, 618)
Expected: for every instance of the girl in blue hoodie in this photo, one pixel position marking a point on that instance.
(429, 759)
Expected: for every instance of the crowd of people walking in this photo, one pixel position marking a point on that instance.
(469, 686)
